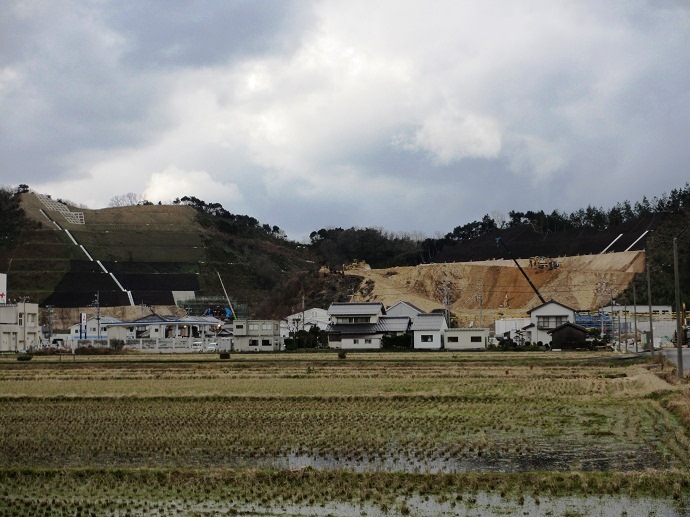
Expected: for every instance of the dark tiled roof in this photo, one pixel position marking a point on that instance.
(356, 309)
(428, 322)
(550, 301)
(384, 325)
(568, 324)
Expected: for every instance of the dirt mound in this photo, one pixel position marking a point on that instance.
(497, 287)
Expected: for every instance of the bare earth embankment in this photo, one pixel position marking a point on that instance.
(503, 290)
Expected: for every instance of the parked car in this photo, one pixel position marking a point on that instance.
(197, 346)
(212, 347)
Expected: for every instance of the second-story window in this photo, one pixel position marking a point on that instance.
(353, 319)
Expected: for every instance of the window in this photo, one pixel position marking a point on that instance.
(355, 341)
(253, 326)
(475, 339)
(21, 319)
(550, 322)
(367, 341)
(238, 326)
(265, 342)
(253, 342)
(427, 338)
(452, 339)
(353, 319)
(266, 326)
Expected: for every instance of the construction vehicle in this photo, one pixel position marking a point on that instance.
(356, 264)
(542, 263)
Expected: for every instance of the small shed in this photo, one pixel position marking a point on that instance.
(569, 335)
(472, 338)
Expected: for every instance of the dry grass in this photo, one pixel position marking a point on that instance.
(454, 420)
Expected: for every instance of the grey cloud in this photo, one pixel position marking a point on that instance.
(179, 33)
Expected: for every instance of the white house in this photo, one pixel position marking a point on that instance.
(92, 331)
(362, 326)
(256, 335)
(155, 326)
(19, 329)
(466, 338)
(510, 327)
(304, 320)
(428, 330)
(544, 318)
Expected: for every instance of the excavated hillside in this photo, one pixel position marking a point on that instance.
(493, 289)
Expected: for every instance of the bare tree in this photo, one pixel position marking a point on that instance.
(500, 219)
(129, 199)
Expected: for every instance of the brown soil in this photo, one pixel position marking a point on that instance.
(500, 285)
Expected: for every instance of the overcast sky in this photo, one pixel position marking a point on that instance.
(414, 116)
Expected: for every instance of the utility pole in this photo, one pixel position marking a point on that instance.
(635, 314)
(620, 348)
(611, 291)
(98, 313)
(602, 289)
(50, 322)
(480, 297)
(649, 301)
(625, 325)
(679, 328)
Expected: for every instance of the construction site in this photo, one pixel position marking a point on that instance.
(481, 292)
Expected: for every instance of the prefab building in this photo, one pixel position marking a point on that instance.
(256, 336)
(467, 338)
(19, 329)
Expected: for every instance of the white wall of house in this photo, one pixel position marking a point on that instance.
(257, 336)
(19, 328)
(428, 339)
(547, 317)
(92, 328)
(510, 325)
(312, 317)
(355, 342)
(466, 338)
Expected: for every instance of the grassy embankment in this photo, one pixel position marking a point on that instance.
(309, 431)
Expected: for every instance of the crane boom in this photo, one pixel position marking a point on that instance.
(499, 240)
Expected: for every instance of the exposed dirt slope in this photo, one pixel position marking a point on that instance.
(500, 285)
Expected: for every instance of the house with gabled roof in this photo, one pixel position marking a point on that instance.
(403, 308)
(428, 331)
(545, 317)
(362, 325)
(156, 326)
(77, 331)
(304, 320)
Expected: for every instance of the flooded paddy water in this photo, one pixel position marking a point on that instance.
(412, 434)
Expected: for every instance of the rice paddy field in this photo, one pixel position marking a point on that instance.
(371, 434)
